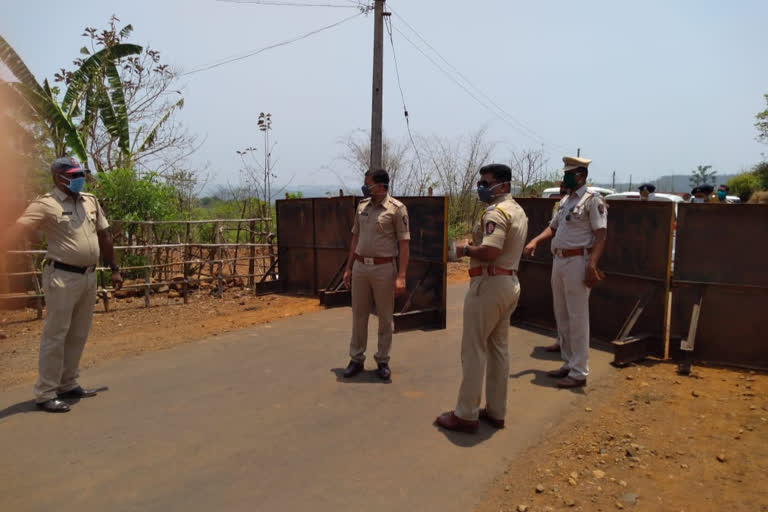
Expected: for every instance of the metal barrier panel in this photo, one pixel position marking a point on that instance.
(314, 237)
(334, 217)
(535, 304)
(424, 304)
(296, 251)
(721, 259)
(635, 262)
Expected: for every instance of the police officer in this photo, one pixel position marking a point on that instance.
(497, 243)
(76, 232)
(647, 192)
(579, 231)
(380, 232)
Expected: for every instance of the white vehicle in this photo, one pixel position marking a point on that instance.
(733, 199)
(555, 191)
(635, 196)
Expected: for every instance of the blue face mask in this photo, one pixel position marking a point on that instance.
(76, 185)
(485, 193)
(721, 195)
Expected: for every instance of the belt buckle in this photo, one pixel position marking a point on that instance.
(368, 261)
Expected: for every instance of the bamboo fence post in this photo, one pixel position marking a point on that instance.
(217, 258)
(251, 262)
(148, 272)
(187, 256)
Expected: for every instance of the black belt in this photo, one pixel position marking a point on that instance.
(71, 268)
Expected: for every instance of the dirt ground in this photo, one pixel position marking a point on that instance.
(656, 441)
(130, 329)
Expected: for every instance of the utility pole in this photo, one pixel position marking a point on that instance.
(377, 88)
(578, 152)
(613, 182)
(265, 125)
(630, 183)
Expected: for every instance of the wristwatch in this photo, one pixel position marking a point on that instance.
(114, 268)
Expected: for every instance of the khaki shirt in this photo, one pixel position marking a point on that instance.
(504, 226)
(380, 226)
(580, 214)
(70, 226)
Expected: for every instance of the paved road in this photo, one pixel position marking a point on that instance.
(257, 420)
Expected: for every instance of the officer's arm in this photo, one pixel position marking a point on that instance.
(106, 247)
(24, 226)
(351, 255)
(14, 234)
(404, 254)
(597, 248)
(483, 252)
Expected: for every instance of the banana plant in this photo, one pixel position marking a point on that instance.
(86, 86)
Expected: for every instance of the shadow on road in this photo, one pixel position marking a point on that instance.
(29, 405)
(542, 354)
(540, 378)
(19, 408)
(468, 440)
(364, 377)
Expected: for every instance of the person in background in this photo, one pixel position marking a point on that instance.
(722, 194)
(647, 192)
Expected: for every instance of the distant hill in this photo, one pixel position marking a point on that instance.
(672, 183)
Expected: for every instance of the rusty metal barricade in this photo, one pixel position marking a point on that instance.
(720, 284)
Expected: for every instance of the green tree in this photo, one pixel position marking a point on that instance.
(762, 124)
(126, 196)
(702, 176)
(744, 184)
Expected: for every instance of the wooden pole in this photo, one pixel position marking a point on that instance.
(377, 86)
(148, 272)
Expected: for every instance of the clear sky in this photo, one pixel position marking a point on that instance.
(644, 88)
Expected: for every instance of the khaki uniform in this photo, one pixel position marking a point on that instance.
(70, 227)
(578, 217)
(488, 305)
(379, 227)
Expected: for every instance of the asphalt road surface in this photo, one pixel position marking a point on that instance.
(259, 420)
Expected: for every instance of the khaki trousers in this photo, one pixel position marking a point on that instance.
(69, 302)
(372, 284)
(571, 304)
(488, 305)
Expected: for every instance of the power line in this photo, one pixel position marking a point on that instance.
(467, 80)
(402, 95)
(270, 47)
(499, 112)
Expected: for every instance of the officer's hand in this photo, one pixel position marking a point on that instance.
(530, 249)
(399, 286)
(593, 277)
(348, 279)
(117, 280)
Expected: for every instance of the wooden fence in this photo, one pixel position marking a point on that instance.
(156, 255)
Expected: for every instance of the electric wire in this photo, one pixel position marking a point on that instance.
(270, 47)
(388, 24)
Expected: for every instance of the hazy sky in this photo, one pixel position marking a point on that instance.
(644, 88)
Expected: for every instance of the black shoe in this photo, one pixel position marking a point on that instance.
(53, 405)
(353, 369)
(384, 372)
(78, 392)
